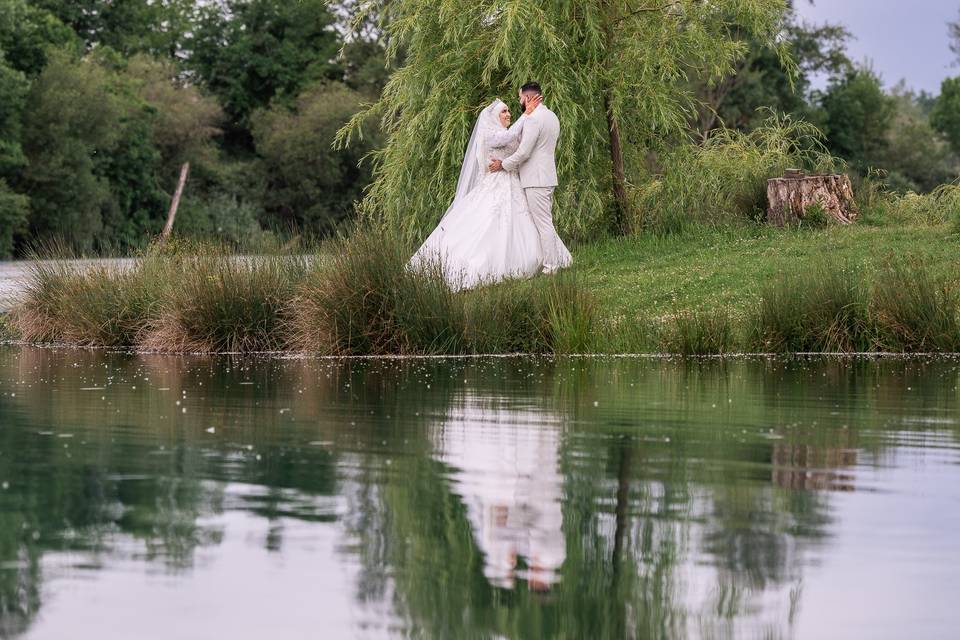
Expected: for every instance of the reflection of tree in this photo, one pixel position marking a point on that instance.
(692, 494)
(121, 471)
(646, 489)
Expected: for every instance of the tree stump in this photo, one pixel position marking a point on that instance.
(789, 197)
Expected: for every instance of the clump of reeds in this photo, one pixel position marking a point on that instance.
(837, 308)
(545, 315)
(698, 333)
(95, 305)
(914, 311)
(360, 299)
(8, 330)
(226, 303)
(823, 309)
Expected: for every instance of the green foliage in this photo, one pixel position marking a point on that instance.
(945, 116)
(249, 52)
(857, 117)
(13, 218)
(158, 27)
(916, 156)
(309, 185)
(28, 33)
(929, 209)
(222, 218)
(815, 217)
(724, 180)
(13, 91)
(761, 81)
(184, 120)
(592, 58)
(73, 121)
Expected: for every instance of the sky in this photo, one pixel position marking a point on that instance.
(902, 38)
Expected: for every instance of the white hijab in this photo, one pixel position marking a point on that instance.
(476, 159)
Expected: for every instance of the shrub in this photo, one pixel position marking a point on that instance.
(724, 179)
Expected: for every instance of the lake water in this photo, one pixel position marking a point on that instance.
(148, 497)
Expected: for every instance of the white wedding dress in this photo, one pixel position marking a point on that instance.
(487, 234)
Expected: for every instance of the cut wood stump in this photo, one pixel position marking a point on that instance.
(791, 196)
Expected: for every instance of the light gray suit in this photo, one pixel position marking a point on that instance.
(535, 161)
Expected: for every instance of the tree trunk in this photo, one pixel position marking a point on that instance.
(791, 197)
(619, 177)
(175, 204)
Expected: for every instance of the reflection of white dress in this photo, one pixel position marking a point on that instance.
(506, 470)
(488, 234)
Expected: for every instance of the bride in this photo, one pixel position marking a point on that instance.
(487, 234)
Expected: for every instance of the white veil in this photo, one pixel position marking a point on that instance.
(476, 159)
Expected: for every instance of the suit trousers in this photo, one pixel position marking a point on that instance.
(540, 204)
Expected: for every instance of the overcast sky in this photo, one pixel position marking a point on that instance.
(903, 38)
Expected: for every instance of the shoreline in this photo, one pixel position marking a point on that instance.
(304, 355)
(752, 291)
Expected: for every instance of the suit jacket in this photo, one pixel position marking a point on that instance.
(534, 159)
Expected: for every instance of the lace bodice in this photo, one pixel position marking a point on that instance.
(504, 143)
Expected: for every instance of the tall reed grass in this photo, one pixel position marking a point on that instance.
(822, 309)
(225, 303)
(899, 307)
(915, 311)
(699, 333)
(356, 297)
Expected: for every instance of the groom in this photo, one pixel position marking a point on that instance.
(534, 160)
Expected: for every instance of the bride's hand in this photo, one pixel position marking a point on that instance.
(533, 103)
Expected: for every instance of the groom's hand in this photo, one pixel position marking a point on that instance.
(495, 165)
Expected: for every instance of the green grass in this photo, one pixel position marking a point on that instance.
(653, 277)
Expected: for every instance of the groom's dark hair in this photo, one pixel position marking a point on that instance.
(531, 87)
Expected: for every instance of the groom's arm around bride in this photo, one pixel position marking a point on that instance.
(535, 163)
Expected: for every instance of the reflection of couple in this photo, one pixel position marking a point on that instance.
(506, 470)
(500, 224)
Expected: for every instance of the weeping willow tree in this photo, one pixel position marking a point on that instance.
(616, 73)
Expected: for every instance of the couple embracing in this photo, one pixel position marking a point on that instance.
(500, 224)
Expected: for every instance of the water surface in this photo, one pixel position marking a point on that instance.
(203, 497)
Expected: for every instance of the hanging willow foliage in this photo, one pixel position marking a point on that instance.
(616, 73)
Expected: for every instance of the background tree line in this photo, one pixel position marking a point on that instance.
(102, 100)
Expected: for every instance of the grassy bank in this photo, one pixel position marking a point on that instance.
(875, 286)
